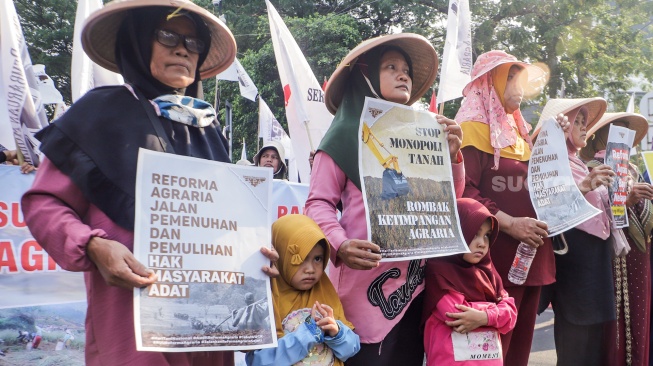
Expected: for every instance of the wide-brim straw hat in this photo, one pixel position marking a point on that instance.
(422, 55)
(634, 121)
(101, 28)
(536, 74)
(595, 109)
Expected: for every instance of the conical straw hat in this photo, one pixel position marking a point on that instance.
(595, 109)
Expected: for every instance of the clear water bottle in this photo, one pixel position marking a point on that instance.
(522, 263)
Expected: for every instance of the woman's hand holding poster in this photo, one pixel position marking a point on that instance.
(407, 183)
(200, 226)
(554, 193)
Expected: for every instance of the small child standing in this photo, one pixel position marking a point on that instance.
(310, 320)
(465, 305)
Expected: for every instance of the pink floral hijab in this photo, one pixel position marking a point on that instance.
(483, 104)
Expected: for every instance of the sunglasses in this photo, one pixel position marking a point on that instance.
(172, 39)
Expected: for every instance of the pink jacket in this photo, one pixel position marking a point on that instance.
(374, 300)
(438, 341)
(63, 222)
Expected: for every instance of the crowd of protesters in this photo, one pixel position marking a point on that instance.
(81, 208)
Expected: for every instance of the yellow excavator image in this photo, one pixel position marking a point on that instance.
(394, 183)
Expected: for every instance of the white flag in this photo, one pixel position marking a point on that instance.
(457, 57)
(631, 104)
(308, 117)
(270, 130)
(86, 74)
(236, 72)
(49, 93)
(19, 95)
(243, 154)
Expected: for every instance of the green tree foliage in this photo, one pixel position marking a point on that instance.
(590, 46)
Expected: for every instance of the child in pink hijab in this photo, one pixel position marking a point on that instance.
(466, 306)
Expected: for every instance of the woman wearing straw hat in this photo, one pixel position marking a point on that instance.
(628, 337)
(582, 296)
(496, 147)
(81, 206)
(382, 300)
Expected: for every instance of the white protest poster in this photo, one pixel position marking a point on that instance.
(554, 193)
(407, 183)
(617, 155)
(200, 225)
(28, 275)
(38, 296)
(288, 198)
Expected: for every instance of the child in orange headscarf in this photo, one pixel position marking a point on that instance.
(310, 321)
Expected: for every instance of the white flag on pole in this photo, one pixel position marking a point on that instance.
(243, 154)
(49, 92)
(308, 117)
(270, 130)
(20, 99)
(86, 74)
(631, 104)
(236, 72)
(457, 57)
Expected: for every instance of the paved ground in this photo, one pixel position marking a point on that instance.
(543, 348)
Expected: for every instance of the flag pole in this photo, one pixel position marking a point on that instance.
(258, 129)
(308, 133)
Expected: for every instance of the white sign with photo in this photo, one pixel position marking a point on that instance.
(407, 183)
(617, 156)
(200, 226)
(554, 193)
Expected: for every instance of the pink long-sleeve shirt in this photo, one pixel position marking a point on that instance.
(374, 300)
(63, 221)
(438, 336)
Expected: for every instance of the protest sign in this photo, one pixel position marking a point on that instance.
(617, 155)
(38, 296)
(554, 193)
(288, 198)
(407, 183)
(28, 275)
(200, 225)
(647, 156)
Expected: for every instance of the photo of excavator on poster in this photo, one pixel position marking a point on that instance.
(407, 183)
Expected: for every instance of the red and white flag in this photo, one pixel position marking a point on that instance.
(236, 72)
(307, 115)
(270, 130)
(86, 74)
(433, 106)
(457, 57)
(21, 110)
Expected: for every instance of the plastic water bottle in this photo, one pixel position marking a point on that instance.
(522, 263)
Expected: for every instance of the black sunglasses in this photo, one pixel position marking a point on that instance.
(172, 39)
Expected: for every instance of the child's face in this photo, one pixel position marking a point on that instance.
(480, 244)
(310, 270)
